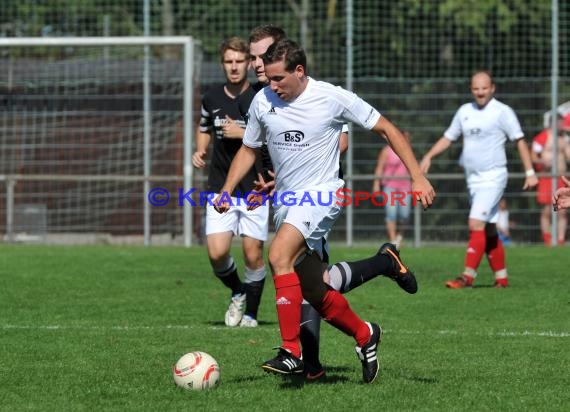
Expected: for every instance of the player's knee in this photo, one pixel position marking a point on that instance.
(253, 260)
(278, 260)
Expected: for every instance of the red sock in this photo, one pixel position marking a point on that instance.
(475, 249)
(547, 238)
(335, 310)
(288, 299)
(495, 253)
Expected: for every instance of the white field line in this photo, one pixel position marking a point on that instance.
(503, 333)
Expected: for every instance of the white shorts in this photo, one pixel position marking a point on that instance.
(239, 220)
(313, 221)
(485, 203)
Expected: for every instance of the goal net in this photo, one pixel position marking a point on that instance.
(88, 126)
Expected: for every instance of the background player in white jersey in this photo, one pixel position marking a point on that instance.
(301, 119)
(342, 276)
(221, 120)
(485, 125)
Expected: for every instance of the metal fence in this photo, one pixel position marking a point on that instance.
(411, 59)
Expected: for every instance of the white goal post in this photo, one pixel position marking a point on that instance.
(188, 53)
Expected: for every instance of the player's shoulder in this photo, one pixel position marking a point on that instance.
(330, 88)
(214, 92)
(496, 104)
(258, 86)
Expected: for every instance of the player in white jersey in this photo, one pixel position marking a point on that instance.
(342, 276)
(300, 119)
(485, 125)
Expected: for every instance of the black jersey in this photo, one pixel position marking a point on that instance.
(216, 105)
(243, 105)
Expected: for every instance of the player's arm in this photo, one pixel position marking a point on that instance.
(531, 179)
(561, 198)
(439, 147)
(232, 130)
(567, 148)
(420, 184)
(202, 143)
(242, 163)
(535, 157)
(343, 143)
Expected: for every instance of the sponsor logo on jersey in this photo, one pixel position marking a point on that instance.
(272, 110)
(294, 136)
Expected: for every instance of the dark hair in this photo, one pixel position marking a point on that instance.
(288, 51)
(265, 31)
(236, 44)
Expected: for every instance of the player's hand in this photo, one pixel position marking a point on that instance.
(221, 204)
(425, 165)
(530, 182)
(254, 200)
(265, 186)
(261, 190)
(198, 159)
(231, 129)
(423, 191)
(561, 198)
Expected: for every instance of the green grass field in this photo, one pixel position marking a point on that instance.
(98, 329)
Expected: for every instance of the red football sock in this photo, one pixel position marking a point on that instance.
(547, 238)
(335, 310)
(288, 299)
(475, 249)
(495, 253)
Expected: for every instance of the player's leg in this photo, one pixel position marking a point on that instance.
(330, 304)
(545, 216)
(562, 226)
(253, 227)
(562, 218)
(496, 255)
(311, 323)
(285, 249)
(346, 276)
(543, 198)
(220, 229)
(334, 308)
(484, 206)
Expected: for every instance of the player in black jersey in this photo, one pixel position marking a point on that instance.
(222, 122)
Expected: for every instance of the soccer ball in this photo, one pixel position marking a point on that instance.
(196, 371)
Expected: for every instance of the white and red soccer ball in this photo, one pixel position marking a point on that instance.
(196, 371)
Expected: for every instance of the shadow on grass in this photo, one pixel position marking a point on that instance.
(415, 378)
(221, 323)
(334, 375)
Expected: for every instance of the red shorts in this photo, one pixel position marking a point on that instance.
(544, 193)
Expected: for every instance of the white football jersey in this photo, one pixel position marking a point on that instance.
(302, 136)
(485, 132)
